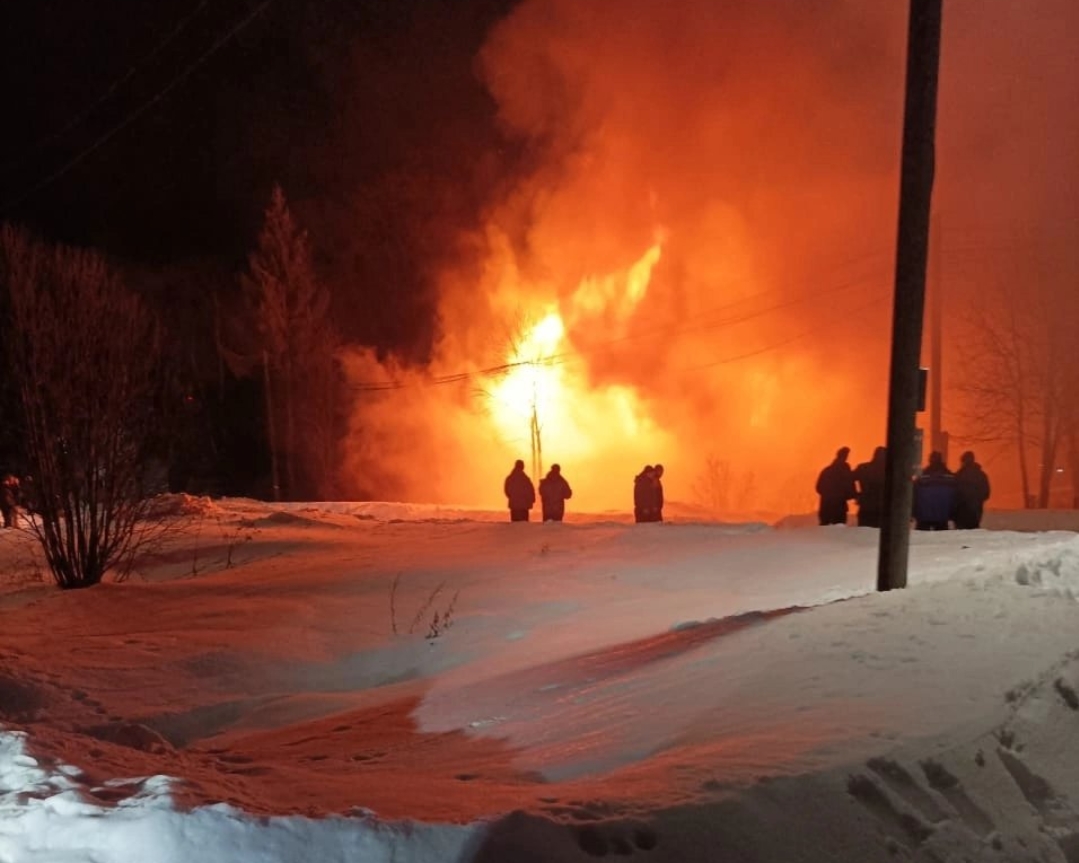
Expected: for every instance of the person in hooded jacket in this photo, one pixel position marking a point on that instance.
(644, 495)
(835, 485)
(554, 491)
(972, 491)
(869, 484)
(520, 493)
(935, 495)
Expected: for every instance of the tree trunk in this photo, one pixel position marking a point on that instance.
(1073, 465)
(290, 430)
(1050, 442)
(1021, 437)
(270, 427)
(1024, 471)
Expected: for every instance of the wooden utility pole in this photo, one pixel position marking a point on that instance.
(936, 327)
(912, 251)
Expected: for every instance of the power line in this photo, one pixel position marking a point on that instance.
(808, 296)
(138, 112)
(881, 297)
(579, 355)
(674, 329)
(109, 91)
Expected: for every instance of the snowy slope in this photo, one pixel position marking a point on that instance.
(601, 687)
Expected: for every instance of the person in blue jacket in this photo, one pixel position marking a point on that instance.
(935, 495)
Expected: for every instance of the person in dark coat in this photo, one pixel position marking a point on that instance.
(935, 495)
(520, 493)
(9, 499)
(972, 491)
(644, 495)
(657, 493)
(554, 491)
(835, 485)
(869, 487)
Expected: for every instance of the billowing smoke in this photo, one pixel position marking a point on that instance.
(698, 270)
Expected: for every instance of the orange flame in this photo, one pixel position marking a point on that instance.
(616, 295)
(534, 386)
(546, 391)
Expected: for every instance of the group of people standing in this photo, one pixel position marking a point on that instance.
(648, 494)
(941, 498)
(554, 491)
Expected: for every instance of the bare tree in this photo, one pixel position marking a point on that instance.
(1020, 386)
(82, 351)
(298, 349)
(719, 489)
(1073, 464)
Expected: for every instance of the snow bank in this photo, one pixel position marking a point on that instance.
(52, 816)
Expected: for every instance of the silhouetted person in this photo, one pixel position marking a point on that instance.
(835, 485)
(972, 491)
(644, 494)
(657, 493)
(9, 499)
(934, 495)
(554, 491)
(520, 493)
(869, 487)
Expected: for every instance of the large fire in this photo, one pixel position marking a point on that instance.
(602, 378)
(534, 385)
(545, 388)
(747, 340)
(695, 271)
(545, 405)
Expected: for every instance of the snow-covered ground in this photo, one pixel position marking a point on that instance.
(377, 682)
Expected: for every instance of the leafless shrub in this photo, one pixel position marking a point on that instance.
(719, 489)
(441, 622)
(393, 603)
(82, 352)
(197, 546)
(232, 535)
(438, 623)
(425, 607)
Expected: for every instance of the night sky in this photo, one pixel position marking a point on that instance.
(324, 97)
(155, 132)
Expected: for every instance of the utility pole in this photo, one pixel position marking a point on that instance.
(936, 326)
(908, 310)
